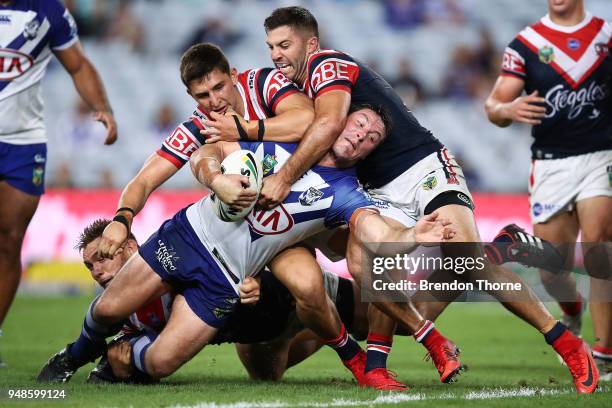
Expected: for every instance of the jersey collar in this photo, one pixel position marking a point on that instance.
(567, 29)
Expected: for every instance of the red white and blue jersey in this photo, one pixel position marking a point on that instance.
(408, 142)
(261, 91)
(571, 67)
(324, 197)
(152, 317)
(29, 31)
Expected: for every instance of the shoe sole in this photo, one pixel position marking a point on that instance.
(452, 377)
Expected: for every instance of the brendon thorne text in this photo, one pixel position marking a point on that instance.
(405, 285)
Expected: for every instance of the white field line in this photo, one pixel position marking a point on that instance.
(390, 399)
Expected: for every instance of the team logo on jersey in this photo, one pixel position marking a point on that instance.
(166, 256)
(13, 64)
(602, 49)
(430, 183)
(5, 19)
(37, 175)
(31, 29)
(546, 54)
(573, 44)
(271, 222)
(310, 196)
(268, 163)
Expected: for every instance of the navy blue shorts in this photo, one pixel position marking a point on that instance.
(23, 166)
(176, 254)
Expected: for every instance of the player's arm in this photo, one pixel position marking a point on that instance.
(153, 173)
(294, 114)
(89, 85)
(232, 189)
(331, 109)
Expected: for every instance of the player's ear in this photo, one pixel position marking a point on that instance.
(130, 247)
(234, 75)
(312, 44)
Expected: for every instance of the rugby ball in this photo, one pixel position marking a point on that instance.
(245, 163)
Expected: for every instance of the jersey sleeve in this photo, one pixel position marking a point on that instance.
(273, 86)
(513, 63)
(182, 142)
(330, 71)
(348, 198)
(63, 28)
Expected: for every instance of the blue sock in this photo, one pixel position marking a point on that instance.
(379, 347)
(554, 333)
(345, 345)
(91, 344)
(140, 345)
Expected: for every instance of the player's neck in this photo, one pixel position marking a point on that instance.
(570, 18)
(329, 160)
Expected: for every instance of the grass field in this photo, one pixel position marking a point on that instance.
(509, 364)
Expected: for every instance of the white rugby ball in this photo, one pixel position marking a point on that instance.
(245, 163)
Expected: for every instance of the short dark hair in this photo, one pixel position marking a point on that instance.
(295, 17)
(93, 231)
(200, 60)
(377, 109)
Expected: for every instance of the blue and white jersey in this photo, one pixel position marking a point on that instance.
(324, 197)
(29, 31)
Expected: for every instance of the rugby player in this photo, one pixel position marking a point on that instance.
(31, 32)
(206, 259)
(270, 336)
(410, 169)
(563, 64)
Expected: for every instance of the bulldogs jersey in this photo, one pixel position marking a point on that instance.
(408, 141)
(261, 91)
(29, 31)
(324, 197)
(571, 67)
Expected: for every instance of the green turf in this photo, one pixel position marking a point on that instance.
(499, 350)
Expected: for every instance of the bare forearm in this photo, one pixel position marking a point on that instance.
(89, 85)
(206, 164)
(497, 113)
(289, 127)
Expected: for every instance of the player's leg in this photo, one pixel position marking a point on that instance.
(16, 211)
(405, 313)
(183, 337)
(297, 269)
(562, 229)
(523, 302)
(595, 215)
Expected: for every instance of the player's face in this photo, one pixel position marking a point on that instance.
(289, 51)
(216, 91)
(563, 6)
(102, 270)
(363, 132)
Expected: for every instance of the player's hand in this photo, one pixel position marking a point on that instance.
(119, 357)
(526, 109)
(113, 237)
(433, 229)
(273, 192)
(108, 120)
(223, 127)
(233, 190)
(249, 290)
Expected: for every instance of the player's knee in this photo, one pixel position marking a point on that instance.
(266, 375)
(310, 295)
(160, 365)
(10, 242)
(105, 311)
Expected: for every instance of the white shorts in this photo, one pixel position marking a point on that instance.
(412, 190)
(557, 185)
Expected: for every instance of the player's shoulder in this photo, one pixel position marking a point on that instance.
(324, 55)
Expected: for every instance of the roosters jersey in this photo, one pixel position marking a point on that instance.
(324, 197)
(152, 317)
(261, 91)
(571, 67)
(408, 142)
(29, 31)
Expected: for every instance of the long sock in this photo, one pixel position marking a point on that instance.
(427, 334)
(345, 345)
(92, 342)
(604, 353)
(140, 345)
(379, 347)
(572, 308)
(553, 334)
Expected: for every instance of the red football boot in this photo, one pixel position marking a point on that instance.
(384, 380)
(577, 356)
(356, 365)
(445, 356)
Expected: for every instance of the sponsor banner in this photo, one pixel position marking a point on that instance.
(62, 215)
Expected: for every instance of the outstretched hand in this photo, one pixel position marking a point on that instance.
(108, 120)
(433, 229)
(222, 127)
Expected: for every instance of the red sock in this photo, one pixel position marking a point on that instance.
(572, 308)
